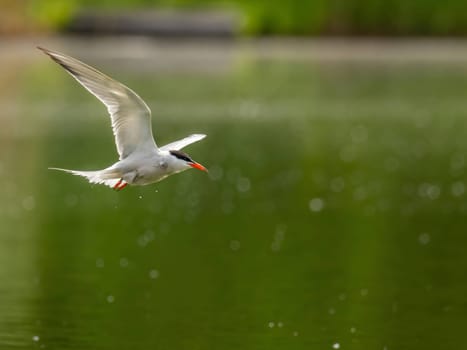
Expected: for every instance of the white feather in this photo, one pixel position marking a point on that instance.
(96, 177)
(130, 115)
(178, 145)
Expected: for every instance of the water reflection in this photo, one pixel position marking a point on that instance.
(332, 215)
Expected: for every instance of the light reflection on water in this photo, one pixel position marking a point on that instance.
(332, 215)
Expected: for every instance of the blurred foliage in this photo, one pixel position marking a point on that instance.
(351, 17)
(52, 14)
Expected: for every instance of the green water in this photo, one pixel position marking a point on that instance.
(333, 215)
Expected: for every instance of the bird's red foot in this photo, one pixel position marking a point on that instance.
(120, 185)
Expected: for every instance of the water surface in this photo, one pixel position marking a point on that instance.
(333, 215)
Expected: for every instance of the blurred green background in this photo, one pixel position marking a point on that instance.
(333, 215)
(294, 17)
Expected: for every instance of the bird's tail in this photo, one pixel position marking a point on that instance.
(108, 177)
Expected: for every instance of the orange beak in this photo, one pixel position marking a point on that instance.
(198, 166)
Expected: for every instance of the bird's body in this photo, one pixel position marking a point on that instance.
(141, 170)
(141, 161)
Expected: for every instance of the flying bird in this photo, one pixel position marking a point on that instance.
(141, 162)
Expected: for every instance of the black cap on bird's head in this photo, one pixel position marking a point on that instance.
(185, 157)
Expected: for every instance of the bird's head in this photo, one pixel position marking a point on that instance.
(183, 160)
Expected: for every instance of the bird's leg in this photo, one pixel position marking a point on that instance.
(117, 185)
(122, 186)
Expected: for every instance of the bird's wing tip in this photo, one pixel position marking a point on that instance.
(50, 53)
(46, 51)
(42, 49)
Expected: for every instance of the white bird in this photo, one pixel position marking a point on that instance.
(141, 162)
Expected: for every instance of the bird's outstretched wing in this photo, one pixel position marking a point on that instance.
(131, 117)
(178, 145)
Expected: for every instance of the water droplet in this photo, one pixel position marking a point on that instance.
(360, 193)
(140, 197)
(29, 203)
(234, 245)
(153, 274)
(146, 237)
(336, 346)
(427, 190)
(348, 153)
(279, 236)
(123, 262)
(35, 338)
(353, 330)
(150, 235)
(271, 324)
(316, 204)
(424, 238)
(280, 232)
(216, 173)
(280, 324)
(276, 246)
(457, 188)
(110, 299)
(243, 184)
(100, 263)
(337, 184)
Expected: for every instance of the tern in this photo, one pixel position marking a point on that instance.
(141, 162)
